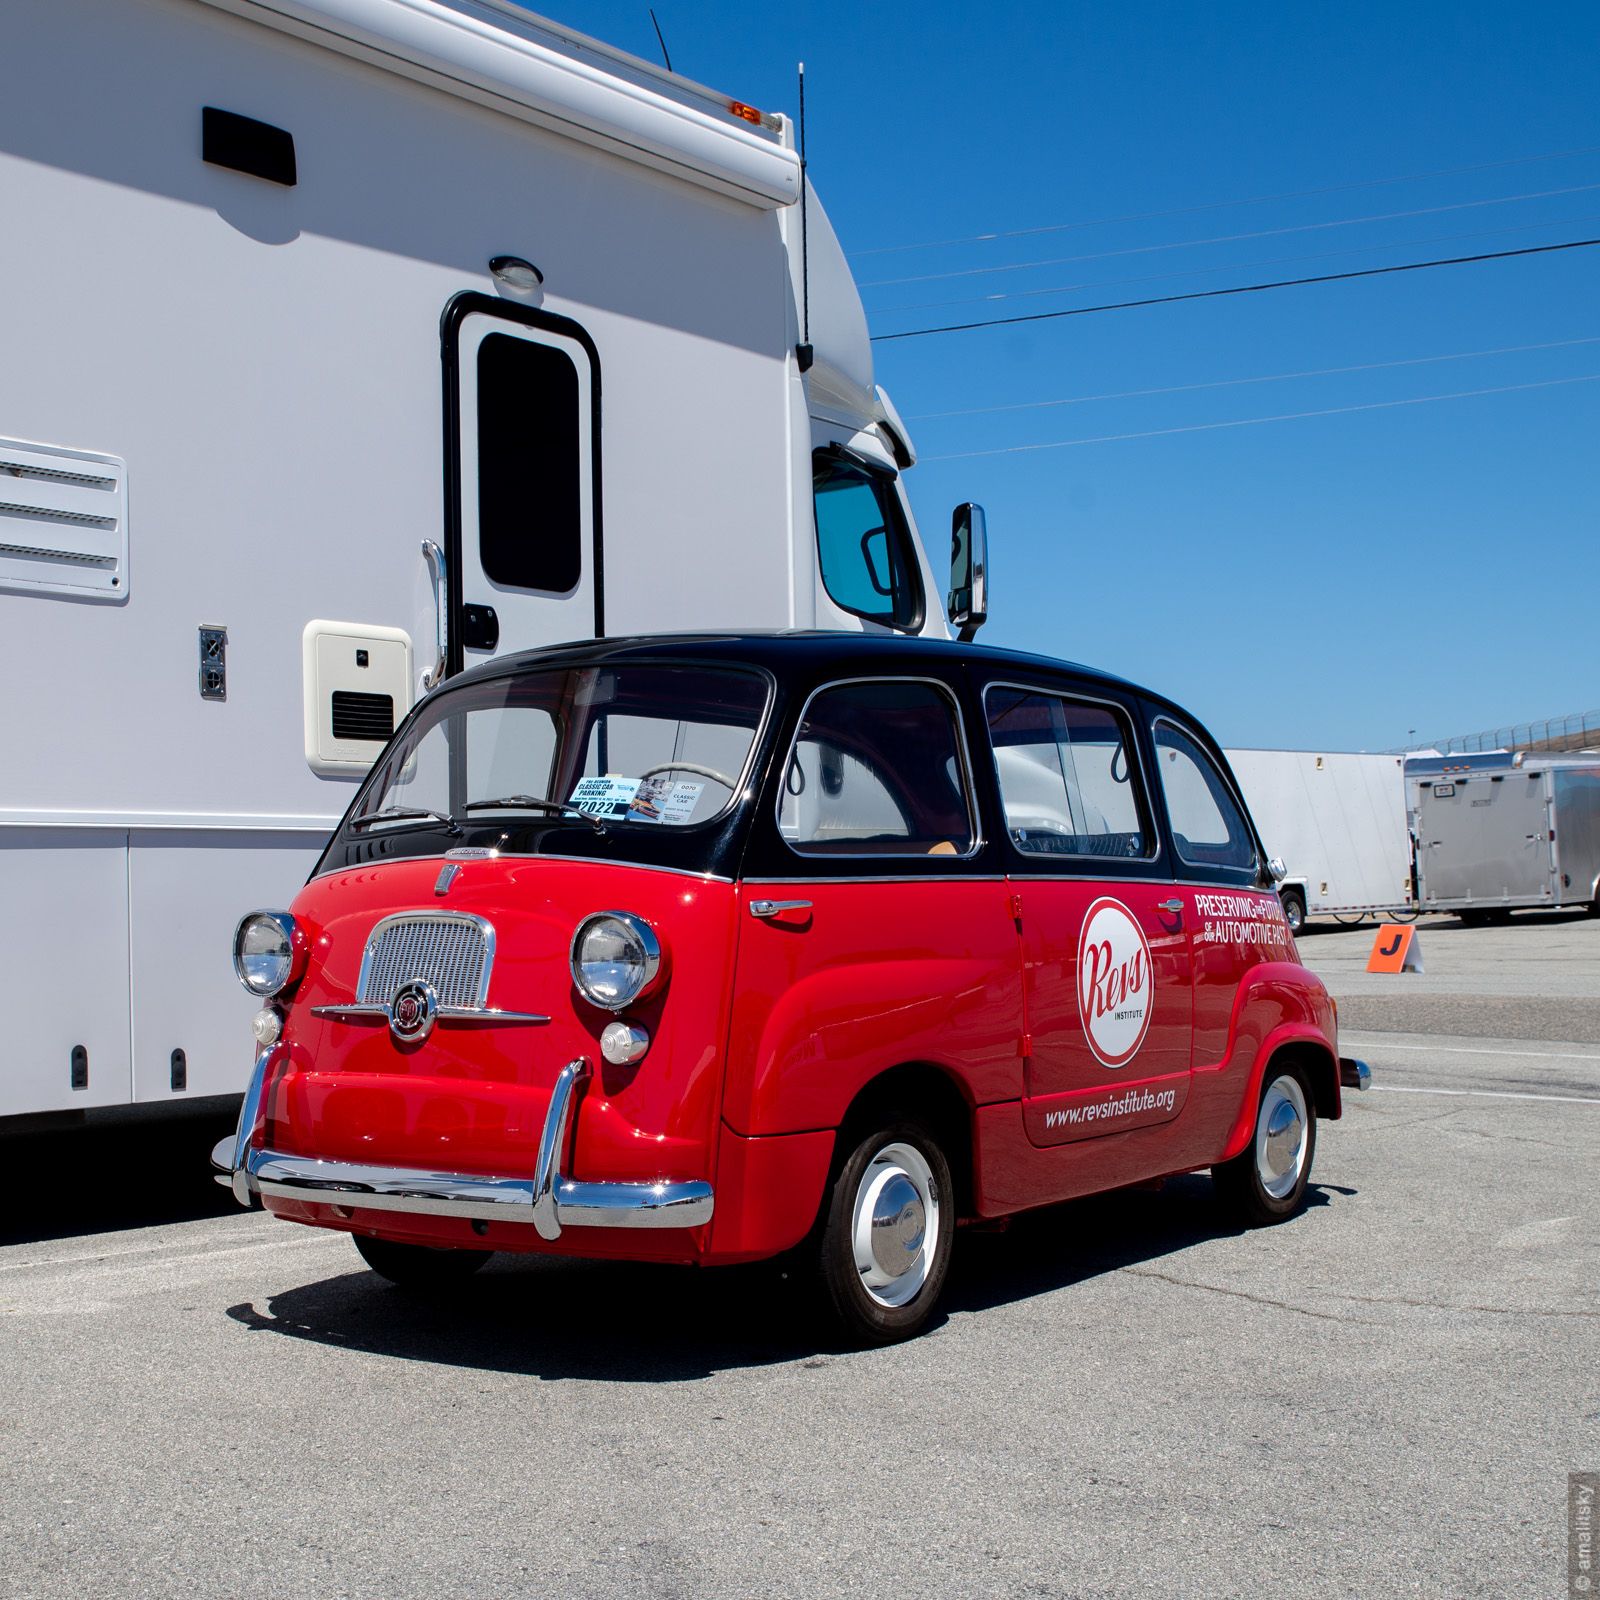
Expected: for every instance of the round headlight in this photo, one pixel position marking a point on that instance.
(615, 959)
(263, 952)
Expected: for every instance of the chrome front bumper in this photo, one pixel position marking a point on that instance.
(544, 1198)
(1354, 1074)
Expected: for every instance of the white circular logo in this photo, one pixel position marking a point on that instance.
(1115, 983)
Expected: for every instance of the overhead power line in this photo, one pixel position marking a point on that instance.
(1230, 238)
(1252, 422)
(1240, 288)
(1234, 383)
(995, 296)
(1224, 205)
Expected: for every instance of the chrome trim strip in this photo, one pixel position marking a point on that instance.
(1128, 726)
(514, 855)
(546, 1199)
(969, 790)
(818, 880)
(485, 1016)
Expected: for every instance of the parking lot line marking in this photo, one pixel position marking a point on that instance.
(1472, 1050)
(1492, 1094)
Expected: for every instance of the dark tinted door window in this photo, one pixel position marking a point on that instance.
(1066, 781)
(876, 769)
(1208, 828)
(529, 505)
(862, 544)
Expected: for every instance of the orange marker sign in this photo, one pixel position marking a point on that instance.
(1396, 949)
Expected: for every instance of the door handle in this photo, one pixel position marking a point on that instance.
(1172, 907)
(766, 909)
(434, 556)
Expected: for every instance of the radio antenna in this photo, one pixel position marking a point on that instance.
(660, 39)
(803, 352)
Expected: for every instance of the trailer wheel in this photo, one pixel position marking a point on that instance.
(884, 1248)
(1266, 1182)
(1349, 919)
(416, 1266)
(1294, 909)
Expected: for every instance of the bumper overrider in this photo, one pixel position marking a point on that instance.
(1354, 1074)
(544, 1198)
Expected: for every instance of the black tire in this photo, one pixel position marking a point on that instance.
(870, 1169)
(1240, 1183)
(1294, 910)
(416, 1266)
(1349, 919)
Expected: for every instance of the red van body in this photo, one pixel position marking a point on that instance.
(920, 943)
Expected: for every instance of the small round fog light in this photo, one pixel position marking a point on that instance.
(623, 1043)
(267, 1024)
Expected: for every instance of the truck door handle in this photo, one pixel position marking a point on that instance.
(1171, 907)
(766, 909)
(434, 556)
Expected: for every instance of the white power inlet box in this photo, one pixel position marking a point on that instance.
(357, 688)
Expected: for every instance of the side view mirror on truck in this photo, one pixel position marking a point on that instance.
(968, 607)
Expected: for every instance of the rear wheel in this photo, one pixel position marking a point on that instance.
(1266, 1182)
(416, 1266)
(884, 1245)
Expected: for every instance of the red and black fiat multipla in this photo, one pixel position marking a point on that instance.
(706, 949)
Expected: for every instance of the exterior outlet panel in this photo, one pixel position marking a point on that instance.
(351, 669)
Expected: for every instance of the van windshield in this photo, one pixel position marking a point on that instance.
(644, 748)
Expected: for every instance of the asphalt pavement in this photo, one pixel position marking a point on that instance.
(1126, 1396)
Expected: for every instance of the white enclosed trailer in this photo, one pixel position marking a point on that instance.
(349, 342)
(1338, 822)
(1506, 831)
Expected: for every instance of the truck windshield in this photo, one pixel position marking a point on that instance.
(643, 747)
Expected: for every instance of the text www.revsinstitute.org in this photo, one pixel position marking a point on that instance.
(1126, 1104)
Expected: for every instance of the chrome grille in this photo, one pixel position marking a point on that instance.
(447, 949)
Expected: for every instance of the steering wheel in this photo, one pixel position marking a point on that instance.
(727, 783)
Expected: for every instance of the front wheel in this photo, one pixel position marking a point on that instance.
(1294, 910)
(416, 1266)
(1266, 1181)
(884, 1246)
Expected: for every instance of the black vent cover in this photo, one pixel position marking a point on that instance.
(362, 716)
(243, 144)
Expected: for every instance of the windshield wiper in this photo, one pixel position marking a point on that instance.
(533, 802)
(405, 814)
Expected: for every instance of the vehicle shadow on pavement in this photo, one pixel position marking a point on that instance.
(130, 1169)
(554, 1319)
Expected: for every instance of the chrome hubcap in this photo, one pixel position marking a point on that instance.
(895, 1224)
(1281, 1137)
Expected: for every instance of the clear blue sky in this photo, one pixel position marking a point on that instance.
(1333, 581)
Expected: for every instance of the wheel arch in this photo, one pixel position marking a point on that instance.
(922, 1092)
(1283, 1046)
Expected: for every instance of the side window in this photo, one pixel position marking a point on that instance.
(876, 769)
(530, 517)
(1066, 782)
(862, 543)
(1208, 828)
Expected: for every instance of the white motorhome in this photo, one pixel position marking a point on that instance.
(349, 342)
(1337, 820)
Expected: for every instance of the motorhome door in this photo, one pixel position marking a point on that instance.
(522, 458)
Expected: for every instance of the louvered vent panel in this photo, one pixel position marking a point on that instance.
(451, 953)
(362, 716)
(63, 522)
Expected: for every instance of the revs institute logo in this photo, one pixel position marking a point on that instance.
(1115, 983)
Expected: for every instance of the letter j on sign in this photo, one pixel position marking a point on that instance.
(1396, 949)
